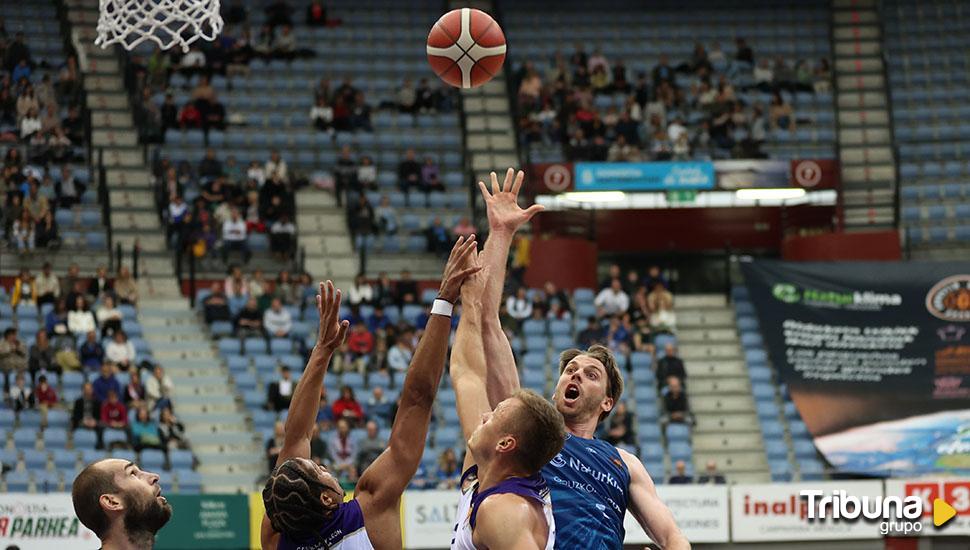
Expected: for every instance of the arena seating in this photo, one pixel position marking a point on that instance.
(926, 47)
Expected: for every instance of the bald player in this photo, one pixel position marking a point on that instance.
(593, 483)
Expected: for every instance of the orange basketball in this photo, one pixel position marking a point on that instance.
(466, 48)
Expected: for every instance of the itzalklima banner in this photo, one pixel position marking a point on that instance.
(876, 356)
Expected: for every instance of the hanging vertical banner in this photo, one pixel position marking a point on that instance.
(876, 356)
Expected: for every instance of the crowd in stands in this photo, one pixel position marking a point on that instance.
(711, 475)
(216, 208)
(675, 112)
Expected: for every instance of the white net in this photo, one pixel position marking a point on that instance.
(169, 23)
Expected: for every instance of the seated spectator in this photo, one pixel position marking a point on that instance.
(41, 357)
(325, 417)
(661, 303)
(362, 222)
(643, 336)
(430, 178)
(407, 97)
(125, 287)
(464, 228)
(47, 287)
(386, 215)
(274, 445)
(236, 285)
(409, 175)
(288, 289)
(46, 234)
(277, 320)
(612, 300)
(614, 273)
(249, 321)
(519, 306)
(400, 354)
(133, 394)
(113, 412)
(369, 447)
(319, 453)
(171, 430)
(378, 406)
(592, 334)
(109, 317)
(234, 237)
(360, 344)
(29, 125)
(280, 392)
(284, 46)
(343, 451)
(158, 389)
(448, 470)
(24, 232)
(360, 114)
(711, 475)
(91, 353)
(13, 352)
(367, 174)
(676, 408)
(377, 322)
(361, 292)
(21, 397)
(321, 116)
(680, 477)
(216, 306)
(86, 413)
(276, 167)
(439, 241)
(780, 113)
(144, 431)
(347, 408)
(120, 351)
(406, 288)
(210, 167)
(671, 365)
(618, 336)
(316, 14)
(621, 151)
(45, 394)
(620, 427)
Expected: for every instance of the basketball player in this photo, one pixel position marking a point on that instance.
(504, 501)
(305, 508)
(121, 503)
(592, 482)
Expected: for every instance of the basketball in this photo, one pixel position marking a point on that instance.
(466, 48)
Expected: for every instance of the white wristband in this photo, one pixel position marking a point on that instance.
(442, 307)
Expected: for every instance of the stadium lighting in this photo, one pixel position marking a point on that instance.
(770, 194)
(594, 196)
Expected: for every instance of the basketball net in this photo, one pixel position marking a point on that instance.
(168, 23)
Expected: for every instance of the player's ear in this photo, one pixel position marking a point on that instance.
(326, 498)
(607, 404)
(507, 444)
(111, 503)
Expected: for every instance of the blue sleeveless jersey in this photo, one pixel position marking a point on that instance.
(589, 483)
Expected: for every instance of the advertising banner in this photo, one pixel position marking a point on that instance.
(644, 176)
(701, 512)
(876, 356)
(429, 518)
(814, 174)
(42, 522)
(550, 178)
(954, 492)
(778, 512)
(206, 521)
(752, 173)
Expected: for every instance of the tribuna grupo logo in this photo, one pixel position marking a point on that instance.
(896, 515)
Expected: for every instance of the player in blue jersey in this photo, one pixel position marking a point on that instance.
(504, 502)
(305, 508)
(593, 484)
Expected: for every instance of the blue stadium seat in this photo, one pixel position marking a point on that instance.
(534, 327)
(254, 346)
(17, 482)
(678, 432)
(152, 460)
(84, 439)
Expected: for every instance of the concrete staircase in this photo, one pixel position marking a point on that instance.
(865, 130)
(324, 237)
(727, 429)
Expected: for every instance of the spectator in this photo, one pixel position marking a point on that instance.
(45, 232)
(288, 289)
(347, 408)
(209, 166)
(280, 392)
(120, 351)
(362, 222)
(144, 431)
(276, 167)
(234, 237)
(654, 276)
(41, 357)
(662, 71)
(711, 475)
(464, 228)
(676, 408)
(361, 292)
(409, 175)
(158, 389)
(105, 383)
(325, 418)
(284, 47)
(406, 288)
(661, 303)
(45, 393)
(24, 232)
(321, 116)
(216, 306)
(87, 411)
(133, 394)
(80, 320)
(620, 428)
(448, 470)
(681, 477)
(277, 320)
(274, 445)
(379, 406)
(367, 174)
(519, 306)
(171, 430)
(369, 447)
(360, 114)
(612, 300)
(377, 322)
(236, 286)
(780, 113)
(592, 334)
(21, 397)
(614, 273)
(360, 344)
(13, 352)
(108, 317)
(113, 412)
(618, 336)
(316, 14)
(343, 451)
(92, 354)
(101, 286)
(387, 221)
(399, 356)
(671, 365)
(744, 52)
(47, 287)
(125, 287)
(407, 97)
(249, 321)
(439, 241)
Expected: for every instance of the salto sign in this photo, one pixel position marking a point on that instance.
(897, 515)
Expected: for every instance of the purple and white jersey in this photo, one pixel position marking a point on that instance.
(345, 531)
(532, 487)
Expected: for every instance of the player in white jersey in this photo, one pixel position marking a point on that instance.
(305, 508)
(504, 501)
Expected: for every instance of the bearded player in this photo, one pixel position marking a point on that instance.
(303, 501)
(589, 386)
(504, 500)
(121, 503)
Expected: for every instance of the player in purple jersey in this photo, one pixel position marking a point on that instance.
(504, 502)
(304, 502)
(586, 392)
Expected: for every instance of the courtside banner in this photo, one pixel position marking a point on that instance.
(429, 518)
(876, 356)
(643, 176)
(42, 522)
(955, 492)
(206, 522)
(778, 512)
(701, 512)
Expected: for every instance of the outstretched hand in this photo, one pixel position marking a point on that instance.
(458, 268)
(333, 331)
(504, 213)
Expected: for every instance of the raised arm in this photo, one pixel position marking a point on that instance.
(650, 512)
(504, 219)
(379, 488)
(305, 404)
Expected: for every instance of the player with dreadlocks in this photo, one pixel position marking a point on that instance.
(305, 508)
